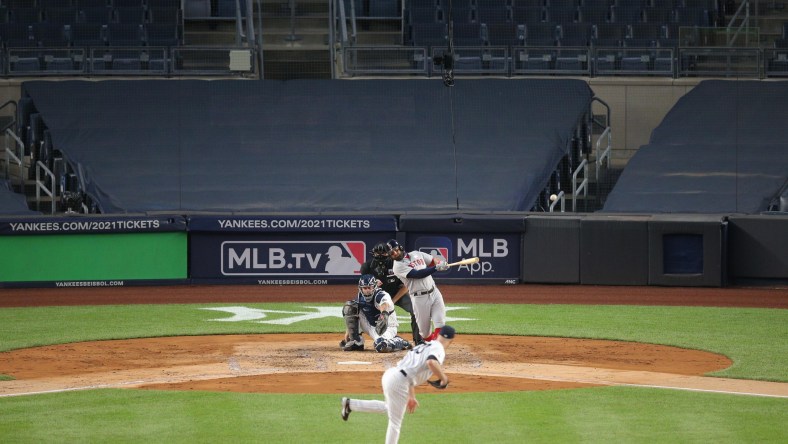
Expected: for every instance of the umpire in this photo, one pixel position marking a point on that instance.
(381, 266)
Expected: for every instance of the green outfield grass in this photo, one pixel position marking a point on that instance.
(755, 339)
(603, 415)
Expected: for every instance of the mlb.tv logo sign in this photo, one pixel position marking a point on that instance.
(292, 258)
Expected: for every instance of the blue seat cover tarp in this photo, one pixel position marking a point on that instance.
(312, 145)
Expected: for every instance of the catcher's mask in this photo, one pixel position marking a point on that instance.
(367, 285)
(380, 252)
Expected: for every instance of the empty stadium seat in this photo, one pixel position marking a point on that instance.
(597, 4)
(643, 35)
(87, 34)
(561, 13)
(164, 15)
(50, 35)
(429, 34)
(459, 15)
(692, 16)
(128, 3)
(608, 34)
(61, 16)
(501, 34)
(593, 15)
(536, 60)
(658, 15)
(124, 34)
(575, 34)
(55, 3)
(493, 14)
(25, 64)
(95, 15)
(467, 34)
(528, 15)
(541, 34)
(65, 65)
(626, 13)
(126, 60)
(164, 3)
(91, 3)
(161, 34)
(636, 60)
(429, 14)
(129, 15)
(25, 16)
(16, 35)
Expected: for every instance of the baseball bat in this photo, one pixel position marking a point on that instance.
(470, 260)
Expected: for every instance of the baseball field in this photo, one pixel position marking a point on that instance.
(531, 363)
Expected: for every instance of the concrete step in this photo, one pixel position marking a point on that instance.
(303, 64)
(379, 38)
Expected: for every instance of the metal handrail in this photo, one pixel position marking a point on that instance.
(583, 185)
(18, 154)
(9, 156)
(560, 197)
(13, 121)
(744, 24)
(343, 22)
(40, 186)
(606, 153)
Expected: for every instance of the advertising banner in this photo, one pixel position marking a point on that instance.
(276, 253)
(91, 225)
(282, 224)
(499, 255)
(90, 260)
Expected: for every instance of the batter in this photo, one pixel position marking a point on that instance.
(415, 270)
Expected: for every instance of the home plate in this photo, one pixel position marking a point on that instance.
(353, 363)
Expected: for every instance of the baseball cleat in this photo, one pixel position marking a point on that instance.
(353, 346)
(345, 408)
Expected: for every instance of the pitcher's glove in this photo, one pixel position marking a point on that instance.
(382, 323)
(437, 384)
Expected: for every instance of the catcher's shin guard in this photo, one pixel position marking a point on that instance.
(350, 313)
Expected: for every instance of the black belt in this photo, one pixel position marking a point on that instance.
(422, 293)
(403, 373)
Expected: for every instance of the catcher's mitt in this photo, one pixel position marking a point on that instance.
(382, 323)
(437, 384)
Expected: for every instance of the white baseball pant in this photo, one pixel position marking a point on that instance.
(395, 389)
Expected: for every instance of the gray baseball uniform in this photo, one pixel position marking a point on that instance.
(424, 294)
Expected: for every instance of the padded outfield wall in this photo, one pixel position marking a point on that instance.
(93, 251)
(666, 250)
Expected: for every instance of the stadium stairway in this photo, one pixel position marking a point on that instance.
(295, 36)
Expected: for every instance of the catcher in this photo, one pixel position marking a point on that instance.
(372, 312)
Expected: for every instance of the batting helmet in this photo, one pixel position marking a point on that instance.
(392, 246)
